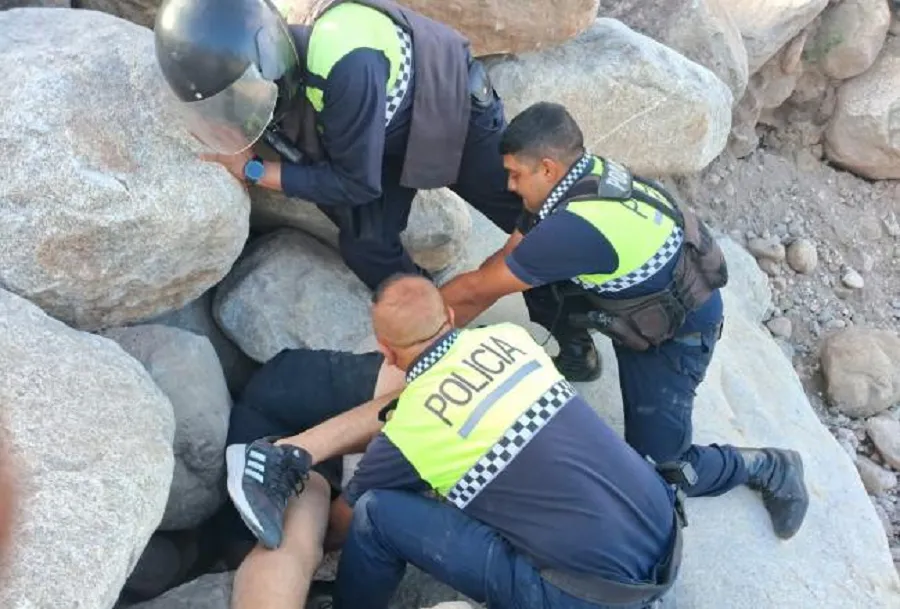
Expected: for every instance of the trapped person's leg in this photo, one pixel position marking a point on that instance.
(295, 391)
(280, 579)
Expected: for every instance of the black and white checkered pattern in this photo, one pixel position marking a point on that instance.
(559, 191)
(647, 270)
(401, 85)
(429, 358)
(511, 444)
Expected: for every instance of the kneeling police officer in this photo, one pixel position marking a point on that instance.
(600, 249)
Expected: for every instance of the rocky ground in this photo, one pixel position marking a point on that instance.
(830, 243)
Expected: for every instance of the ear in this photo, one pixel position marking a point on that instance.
(451, 316)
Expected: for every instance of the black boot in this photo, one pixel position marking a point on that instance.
(778, 475)
(578, 359)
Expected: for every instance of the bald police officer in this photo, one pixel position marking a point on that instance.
(598, 248)
(491, 473)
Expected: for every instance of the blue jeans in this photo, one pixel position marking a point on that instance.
(393, 528)
(658, 390)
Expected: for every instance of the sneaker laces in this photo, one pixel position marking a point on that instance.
(288, 477)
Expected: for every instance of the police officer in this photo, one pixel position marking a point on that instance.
(599, 248)
(535, 501)
(365, 106)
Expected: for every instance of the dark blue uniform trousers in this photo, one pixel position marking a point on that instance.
(369, 239)
(658, 390)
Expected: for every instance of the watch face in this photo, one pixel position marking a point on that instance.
(254, 170)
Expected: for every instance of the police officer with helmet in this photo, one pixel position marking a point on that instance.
(365, 106)
(598, 248)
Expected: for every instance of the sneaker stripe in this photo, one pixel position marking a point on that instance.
(257, 466)
(255, 475)
(255, 454)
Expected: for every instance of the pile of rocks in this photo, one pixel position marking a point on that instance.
(140, 287)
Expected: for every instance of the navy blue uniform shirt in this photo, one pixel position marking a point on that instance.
(353, 134)
(576, 497)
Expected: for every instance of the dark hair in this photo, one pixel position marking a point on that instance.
(543, 130)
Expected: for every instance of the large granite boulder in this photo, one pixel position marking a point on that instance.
(768, 25)
(492, 26)
(636, 100)
(91, 434)
(185, 366)
(863, 136)
(701, 30)
(107, 213)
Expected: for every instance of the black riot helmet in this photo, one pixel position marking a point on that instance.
(231, 63)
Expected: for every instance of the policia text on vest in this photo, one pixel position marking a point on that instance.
(489, 361)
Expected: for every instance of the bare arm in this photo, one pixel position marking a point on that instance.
(344, 434)
(470, 294)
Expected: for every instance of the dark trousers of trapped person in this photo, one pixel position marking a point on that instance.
(292, 392)
(369, 235)
(658, 390)
(394, 528)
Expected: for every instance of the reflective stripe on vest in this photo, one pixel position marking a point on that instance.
(644, 238)
(347, 27)
(473, 402)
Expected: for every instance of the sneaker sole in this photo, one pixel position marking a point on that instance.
(236, 460)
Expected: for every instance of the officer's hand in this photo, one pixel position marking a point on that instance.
(234, 163)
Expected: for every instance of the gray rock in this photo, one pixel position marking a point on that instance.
(8, 4)
(780, 327)
(197, 317)
(623, 87)
(884, 430)
(862, 370)
(292, 291)
(746, 278)
(185, 366)
(876, 479)
(848, 441)
(107, 214)
(93, 436)
(701, 30)
(768, 249)
(853, 280)
(142, 12)
(802, 256)
(439, 223)
(211, 591)
(849, 37)
(861, 136)
(768, 25)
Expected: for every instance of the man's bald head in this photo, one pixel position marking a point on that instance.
(407, 309)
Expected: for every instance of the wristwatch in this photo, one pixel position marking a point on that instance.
(254, 170)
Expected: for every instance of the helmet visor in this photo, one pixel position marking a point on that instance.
(233, 119)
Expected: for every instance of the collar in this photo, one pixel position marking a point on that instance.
(575, 173)
(430, 356)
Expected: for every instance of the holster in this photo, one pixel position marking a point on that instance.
(646, 321)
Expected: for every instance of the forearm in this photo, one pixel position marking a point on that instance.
(344, 434)
(462, 295)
